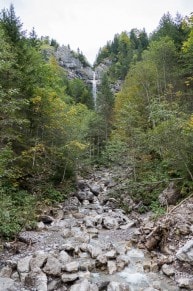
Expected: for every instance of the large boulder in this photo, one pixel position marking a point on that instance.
(168, 270)
(38, 259)
(170, 195)
(110, 222)
(185, 253)
(67, 277)
(37, 279)
(81, 195)
(95, 189)
(23, 265)
(71, 267)
(53, 266)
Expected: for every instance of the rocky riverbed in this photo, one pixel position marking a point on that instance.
(88, 243)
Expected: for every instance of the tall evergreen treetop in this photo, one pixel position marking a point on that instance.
(11, 24)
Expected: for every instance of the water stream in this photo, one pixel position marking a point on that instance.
(94, 88)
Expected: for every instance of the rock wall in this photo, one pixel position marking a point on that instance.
(73, 65)
(75, 69)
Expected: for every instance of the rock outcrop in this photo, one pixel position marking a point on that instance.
(73, 65)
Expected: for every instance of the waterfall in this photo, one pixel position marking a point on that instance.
(94, 88)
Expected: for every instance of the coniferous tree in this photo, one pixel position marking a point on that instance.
(104, 104)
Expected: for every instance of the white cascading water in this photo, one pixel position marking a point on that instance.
(94, 88)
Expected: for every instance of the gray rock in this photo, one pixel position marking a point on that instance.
(82, 237)
(22, 277)
(111, 266)
(111, 254)
(41, 281)
(37, 279)
(40, 225)
(102, 68)
(84, 285)
(170, 195)
(53, 266)
(84, 275)
(54, 284)
(66, 277)
(15, 276)
(93, 287)
(70, 204)
(101, 260)
(93, 231)
(83, 247)
(154, 268)
(94, 251)
(122, 261)
(191, 228)
(95, 189)
(86, 265)
(185, 253)
(7, 284)
(66, 58)
(6, 272)
(116, 286)
(168, 270)
(156, 286)
(38, 259)
(71, 267)
(67, 247)
(147, 266)
(81, 195)
(85, 202)
(64, 257)
(89, 196)
(66, 233)
(12, 264)
(81, 184)
(59, 214)
(121, 249)
(183, 229)
(23, 265)
(185, 283)
(89, 222)
(110, 223)
(83, 255)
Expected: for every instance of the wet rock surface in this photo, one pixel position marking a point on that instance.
(90, 244)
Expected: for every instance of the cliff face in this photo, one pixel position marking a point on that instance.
(76, 69)
(73, 66)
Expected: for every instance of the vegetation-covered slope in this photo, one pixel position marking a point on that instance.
(153, 112)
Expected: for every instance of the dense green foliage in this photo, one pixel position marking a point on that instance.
(153, 112)
(80, 92)
(125, 49)
(44, 123)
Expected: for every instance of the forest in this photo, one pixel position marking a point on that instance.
(50, 129)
